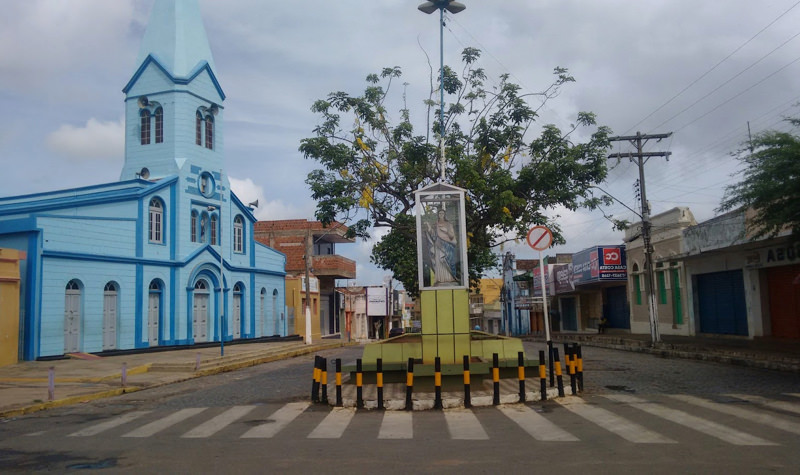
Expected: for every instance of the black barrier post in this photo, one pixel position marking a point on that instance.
(315, 383)
(521, 372)
(496, 379)
(580, 369)
(324, 380)
(467, 397)
(339, 382)
(409, 384)
(359, 383)
(542, 375)
(559, 379)
(437, 383)
(550, 362)
(379, 382)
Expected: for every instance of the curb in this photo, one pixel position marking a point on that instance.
(29, 409)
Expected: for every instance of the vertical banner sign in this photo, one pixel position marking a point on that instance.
(540, 238)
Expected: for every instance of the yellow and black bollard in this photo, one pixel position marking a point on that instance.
(359, 385)
(410, 384)
(379, 381)
(467, 396)
(496, 379)
(324, 380)
(572, 365)
(437, 383)
(559, 379)
(542, 375)
(315, 383)
(339, 382)
(580, 369)
(521, 375)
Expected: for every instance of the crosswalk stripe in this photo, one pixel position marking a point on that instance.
(278, 420)
(780, 405)
(396, 425)
(110, 424)
(334, 424)
(212, 426)
(463, 425)
(699, 424)
(539, 427)
(624, 428)
(741, 413)
(157, 426)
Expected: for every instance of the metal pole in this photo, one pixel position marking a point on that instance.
(441, 85)
(307, 308)
(648, 250)
(221, 274)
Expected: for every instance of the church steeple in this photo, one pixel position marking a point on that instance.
(176, 38)
(173, 101)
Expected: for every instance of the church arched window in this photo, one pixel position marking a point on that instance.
(210, 132)
(238, 234)
(198, 129)
(159, 125)
(156, 221)
(144, 132)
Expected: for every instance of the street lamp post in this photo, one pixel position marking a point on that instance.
(452, 7)
(221, 276)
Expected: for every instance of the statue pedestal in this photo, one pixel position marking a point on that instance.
(445, 325)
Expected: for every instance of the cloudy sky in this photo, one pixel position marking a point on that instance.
(701, 70)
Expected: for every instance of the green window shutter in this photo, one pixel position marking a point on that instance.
(662, 287)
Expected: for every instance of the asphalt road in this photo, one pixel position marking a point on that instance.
(638, 414)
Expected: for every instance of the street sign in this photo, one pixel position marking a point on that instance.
(540, 238)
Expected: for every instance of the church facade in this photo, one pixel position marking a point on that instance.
(166, 255)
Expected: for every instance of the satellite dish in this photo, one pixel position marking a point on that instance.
(145, 173)
(143, 102)
(253, 204)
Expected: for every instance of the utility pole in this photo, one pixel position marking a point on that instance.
(638, 141)
(307, 307)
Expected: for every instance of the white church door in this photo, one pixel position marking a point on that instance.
(110, 316)
(153, 313)
(200, 312)
(237, 310)
(72, 317)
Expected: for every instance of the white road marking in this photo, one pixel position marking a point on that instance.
(463, 425)
(780, 405)
(396, 425)
(742, 413)
(539, 427)
(609, 421)
(278, 420)
(157, 426)
(334, 424)
(110, 424)
(699, 424)
(219, 422)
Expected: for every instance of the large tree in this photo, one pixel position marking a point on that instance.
(770, 183)
(371, 165)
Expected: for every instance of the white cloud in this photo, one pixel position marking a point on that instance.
(96, 140)
(247, 191)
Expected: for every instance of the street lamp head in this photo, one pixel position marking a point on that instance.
(449, 5)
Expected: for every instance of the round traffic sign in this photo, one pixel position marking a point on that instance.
(540, 238)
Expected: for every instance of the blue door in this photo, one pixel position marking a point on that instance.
(616, 307)
(721, 305)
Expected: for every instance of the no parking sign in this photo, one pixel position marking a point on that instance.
(540, 238)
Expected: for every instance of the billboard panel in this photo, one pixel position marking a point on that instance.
(602, 263)
(376, 302)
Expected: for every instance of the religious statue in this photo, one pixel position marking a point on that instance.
(443, 252)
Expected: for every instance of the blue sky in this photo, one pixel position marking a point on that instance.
(702, 70)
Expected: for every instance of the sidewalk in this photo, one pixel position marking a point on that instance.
(764, 353)
(24, 387)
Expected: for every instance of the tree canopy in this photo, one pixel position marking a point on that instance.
(770, 183)
(513, 173)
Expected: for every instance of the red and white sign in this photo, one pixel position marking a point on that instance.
(540, 238)
(612, 256)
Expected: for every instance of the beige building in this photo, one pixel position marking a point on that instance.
(9, 305)
(669, 275)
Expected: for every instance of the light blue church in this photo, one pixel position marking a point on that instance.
(166, 255)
